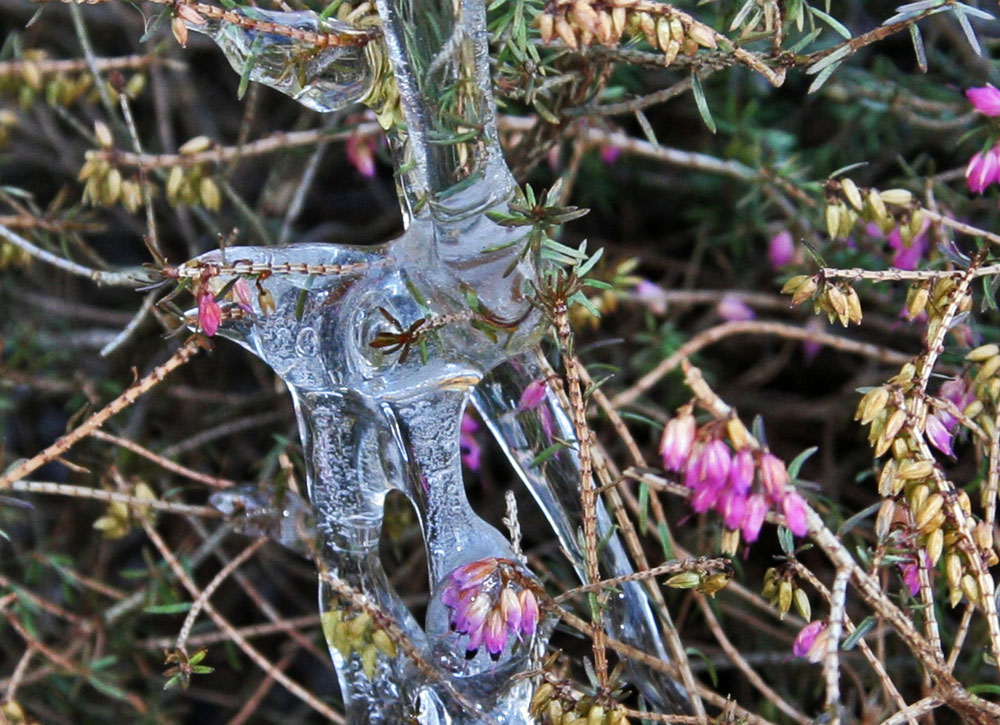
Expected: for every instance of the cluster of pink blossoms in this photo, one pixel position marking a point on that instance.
(490, 601)
(724, 481)
(984, 166)
(941, 424)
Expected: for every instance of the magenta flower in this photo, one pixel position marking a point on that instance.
(533, 395)
(911, 577)
(677, 440)
(472, 452)
(741, 473)
(733, 508)
(986, 99)
(490, 602)
(241, 290)
(808, 643)
(652, 296)
(774, 476)
(781, 249)
(732, 308)
(983, 170)
(938, 435)
(209, 312)
(715, 464)
(907, 257)
(753, 520)
(610, 153)
(794, 508)
(361, 154)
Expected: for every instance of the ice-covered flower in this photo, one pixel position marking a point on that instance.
(533, 395)
(983, 170)
(472, 452)
(794, 508)
(986, 99)
(938, 435)
(809, 643)
(781, 249)
(490, 602)
(209, 312)
(677, 440)
(241, 290)
(732, 308)
(361, 154)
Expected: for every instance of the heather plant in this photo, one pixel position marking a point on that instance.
(750, 397)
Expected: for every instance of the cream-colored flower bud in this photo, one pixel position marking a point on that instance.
(785, 593)
(953, 570)
(211, 198)
(970, 588)
(596, 715)
(662, 33)
(648, 26)
(131, 195)
(973, 409)
(584, 16)
(851, 193)
(619, 18)
(369, 659)
(802, 606)
(917, 497)
(917, 219)
(876, 206)
(915, 470)
(684, 580)
(983, 535)
(112, 186)
(543, 693)
(714, 583)
(104, 138)
(175, 182)
(179, 28)
(546, 27)
(737, 433)
(677, 30)
(917, 300)
(853, 306)
(872, 403)
(702, 35)
(894, 423)
(554, 711)
(883, 521)
(606, 29)
(929, 509)
(896, 196)
(805, 291)
(565, 31)
(670, 52)
(935, 545)
(989, 368)
(833, 213)
(887, 478)
(838, 301)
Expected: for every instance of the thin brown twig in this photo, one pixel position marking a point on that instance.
(166, 463)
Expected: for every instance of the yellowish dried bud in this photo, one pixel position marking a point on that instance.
(677, 30)
(554, 711)
(540, 699)
(104, 138)
(886, 515)
(112, 186)
(917, 219)
(369, 658)
(872, 403)
(648, 26)
(989, 368)
(918, 496)
(135, 86)
(851, 193)
(211, 198)
(360, 623)
(901, 449)
(702, 35)
(714, 582)
(546, 27)
(737, 433)
(973, 409)
(905, 374)
(802, 606)
(196, 145)
(954, 596)
(894, 423)
(684, 580)
(564, 31)
(175, 183)
(595, 716)
(853, 306)
(662, 33)
(833, 214)
(606, 29)
(784, 598)
(384, 642)
(970, 588)
(180, 30)
(916, 300)
(876, 206)
(983, 535)
(887, 479)
(670, 52)
(953, 570)
(930, 508)
(963, 501)
(619, 18)
(189, 13)
(838, 302)
(896, 196)
(935, 545)
(131, 195)
(847, 221)
(915, 470)
(584, 16)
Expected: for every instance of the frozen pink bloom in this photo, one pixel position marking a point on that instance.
(781, 249)
(241, 290)
(529, 612)
(986, 99)
(610, 153)
(533, 395)
(495, 633)
(732, 308)
(361, 154)
(209, 312)
(472, 452)
(756, 511)
(677, 440)
(911, 577)
(741, 473)
(982, 170)
(774, 476)
(652, 296)
(794, 508)
(807, 639)
(938, 435)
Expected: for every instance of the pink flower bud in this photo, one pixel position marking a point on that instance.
(732, 308)
(529, 612)
(938, 435)
(715, 464)
(756, 510)
(982, 170)
(774, 476)
(242, 292)
(781, 249)
(986, 99)
(471, 450)
(741, 472)
(911, 577)
(510, 608)
(209, 312)
(794, 508)
(610, 153)
(533, 395)
(652, 296)
(733, 507)
(495, 633)
(361, 154)
(677, 440)
(806, 638)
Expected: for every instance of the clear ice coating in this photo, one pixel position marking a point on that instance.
(383, 348)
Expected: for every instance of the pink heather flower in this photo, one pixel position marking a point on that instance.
(733, 507)
(908, 257)
(756, 510)
(471, 451)
(781, 249)
(806, 640)
(986, 99)
(794, 508)
(361, 154)
(677, 440)
(652, 296)
(938, 435)
(610, 153)
(705, 496)
(533, 395)
(911, 577)
(983, 170)
(241, 290)
(732, 308)
(774, 476)
(209, 312)
(811, 348)
(529, 612)
(741, 473)
(495, 633)
(715, 464)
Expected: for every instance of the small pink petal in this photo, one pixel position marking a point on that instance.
(938, 435)
(774, 476)
(529, 612)
(732, 308)
(510, 608)
(209, 313)
(985, 99)
(781, 249)
(495, 633)
(911, 578)
(794, 508)
(677, 440)
(361, 154)
(806, 637)
(533, 395)
(756, 511)
(652, 296)
(741, 472)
